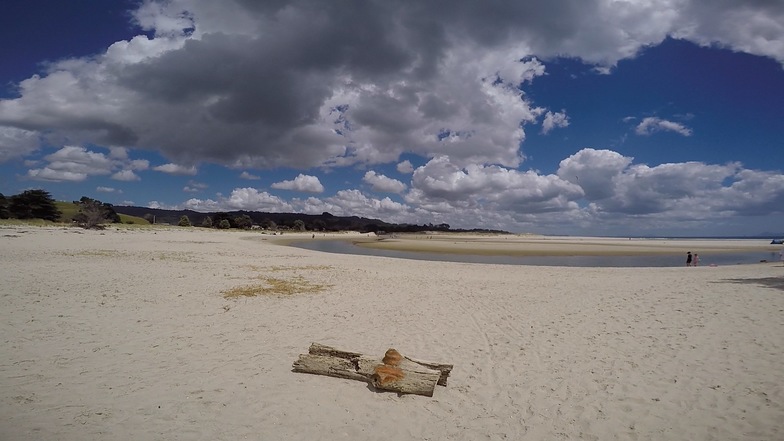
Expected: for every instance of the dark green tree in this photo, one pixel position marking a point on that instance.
(218, 218)
(244, 222)
(4, 214)
(299, 225)
(269, 224)
(224, 224)
(110, 214)
(207, 222)
(34, 204)
(371, 228)
(184, 221)
(319, 225)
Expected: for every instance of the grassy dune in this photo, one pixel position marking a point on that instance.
(133, 220)
(68, 210)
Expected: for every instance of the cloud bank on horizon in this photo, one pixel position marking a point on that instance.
(405, 111)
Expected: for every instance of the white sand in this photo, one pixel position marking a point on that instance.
(126, 335)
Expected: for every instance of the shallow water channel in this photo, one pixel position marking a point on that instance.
(343, 246)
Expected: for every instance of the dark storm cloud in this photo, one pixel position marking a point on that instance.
(256, 83)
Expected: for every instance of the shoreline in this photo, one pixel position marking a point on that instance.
(542, 246)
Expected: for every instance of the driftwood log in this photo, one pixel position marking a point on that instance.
(393, 372)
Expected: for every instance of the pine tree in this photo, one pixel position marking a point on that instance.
(34, 204)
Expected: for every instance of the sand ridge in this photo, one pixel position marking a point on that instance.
(126, 334)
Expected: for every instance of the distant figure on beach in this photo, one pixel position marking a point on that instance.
(696, 259)
(688, 258)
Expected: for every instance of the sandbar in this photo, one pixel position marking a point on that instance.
(522, 245)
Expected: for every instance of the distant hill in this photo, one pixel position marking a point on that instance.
(312, 222)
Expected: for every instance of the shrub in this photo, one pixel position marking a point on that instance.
(243, 222)
(93, 213)
(269, 224)
(218, 218)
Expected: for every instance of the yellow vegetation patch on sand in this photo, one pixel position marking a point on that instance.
(271, 286)
(295, 268)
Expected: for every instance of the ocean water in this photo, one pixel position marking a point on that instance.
(659, 260)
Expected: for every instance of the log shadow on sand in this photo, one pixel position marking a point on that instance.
(769, 282)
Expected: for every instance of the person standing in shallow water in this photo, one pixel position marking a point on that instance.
(688, 258)
(696, 260)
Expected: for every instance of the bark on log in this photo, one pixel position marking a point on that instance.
(406, 375)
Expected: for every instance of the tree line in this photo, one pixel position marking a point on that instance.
(92, 213)
(224, 221)
(324, 222)
(39, 204)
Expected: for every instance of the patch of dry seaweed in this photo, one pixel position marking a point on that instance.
(273, 286)
(278, 268)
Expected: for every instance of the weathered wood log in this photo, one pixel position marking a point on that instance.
(319, 349)
(405, 377)
(393, 372)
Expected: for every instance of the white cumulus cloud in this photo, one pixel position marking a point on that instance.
(75, 163)
(553, 121)
(176, 169)
(48, 174)
(247, 198)
(126, 175)
(441, 185)
(194, 187)
(652, 124)
(303, 183)
(248, 176)
(405, 167)
(17, 143)
(383, 183)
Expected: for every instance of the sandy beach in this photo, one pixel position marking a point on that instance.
(135, 334)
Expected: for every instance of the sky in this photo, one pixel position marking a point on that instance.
(597, 117)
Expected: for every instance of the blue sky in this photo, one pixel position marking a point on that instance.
(557, 117)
